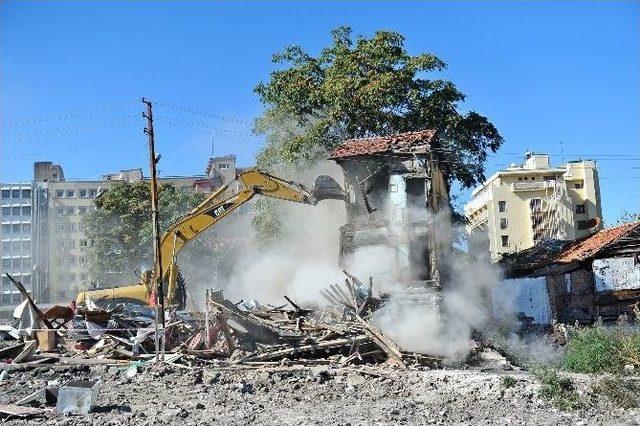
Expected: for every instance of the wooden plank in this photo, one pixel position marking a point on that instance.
(19, 411)
(329, 344)
(382, 341)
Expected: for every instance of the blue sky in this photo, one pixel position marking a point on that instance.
(553, 77)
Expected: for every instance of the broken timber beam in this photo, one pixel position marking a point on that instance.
(329, 344)
(382, 341)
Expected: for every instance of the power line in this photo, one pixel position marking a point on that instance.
(202, 113)
(77, 113)
(70, 148)
(43, 134)
(202, 127)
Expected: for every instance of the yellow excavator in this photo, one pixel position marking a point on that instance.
(208, 213)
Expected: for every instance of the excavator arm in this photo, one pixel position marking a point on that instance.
(201, 218)
(214, 209)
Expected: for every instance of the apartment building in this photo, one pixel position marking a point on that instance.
(522, 204)
(15, 233)
(62, 248)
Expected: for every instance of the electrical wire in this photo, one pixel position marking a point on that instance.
(77, 113)
(44, 134)
(201, 112)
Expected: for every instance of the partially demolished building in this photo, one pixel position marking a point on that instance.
(395, 190)
(569, 281)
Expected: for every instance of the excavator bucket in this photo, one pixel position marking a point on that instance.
(326, 188)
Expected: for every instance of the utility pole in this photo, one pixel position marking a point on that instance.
(157, 264)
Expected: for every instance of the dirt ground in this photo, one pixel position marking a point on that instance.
(162, 394)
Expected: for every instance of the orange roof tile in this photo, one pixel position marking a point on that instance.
(590, 246)
(403, 142)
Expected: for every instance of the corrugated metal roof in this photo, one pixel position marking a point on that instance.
(401, 142)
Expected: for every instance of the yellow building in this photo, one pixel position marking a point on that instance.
(522, 204)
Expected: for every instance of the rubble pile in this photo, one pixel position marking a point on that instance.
(226, 333)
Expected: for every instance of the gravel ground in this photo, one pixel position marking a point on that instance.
(163, 394)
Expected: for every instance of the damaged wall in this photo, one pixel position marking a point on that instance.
(390, 232)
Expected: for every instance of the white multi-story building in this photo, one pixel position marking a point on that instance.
(15, 234)
(518, 206)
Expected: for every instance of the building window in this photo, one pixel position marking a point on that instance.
(526, 178)
(71, 193)
(26, 210)
(520, 178)
(70, 210)
(581, 208)
(17, 247)
(579, 184)
(26, 228)
(26, 245)
(223, 166)
(533, 178)
(59, 193)
(549, 178)
(93, 193)
(535, 204)
(503, 223)
(502, 206)
(60, 211)
(6, 245)
(6, 228)
(82, 210)
(26, 193)
(15, 210)
(6, 263)
(6, 193)
(6, 211)
(83, 193)
(15, 193)
(15, 228)
(582, 225)
(505, 240)
(84, 243)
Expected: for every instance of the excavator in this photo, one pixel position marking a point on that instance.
(208, 213)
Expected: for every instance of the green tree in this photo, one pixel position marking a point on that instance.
(626, 216)
(368, 87)
(120, 231)
(359, 87)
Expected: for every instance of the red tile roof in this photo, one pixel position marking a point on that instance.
(401, 142)
(590, 246)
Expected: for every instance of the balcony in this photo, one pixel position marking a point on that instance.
(533, 186)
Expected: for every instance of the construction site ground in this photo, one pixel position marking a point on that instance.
(294, 395)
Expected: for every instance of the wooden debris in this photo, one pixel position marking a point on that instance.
(20, 411)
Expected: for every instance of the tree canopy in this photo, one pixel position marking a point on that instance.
(360, 87)
(120, 231)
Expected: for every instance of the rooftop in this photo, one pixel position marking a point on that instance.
(548, 255)
(409, 142)
(590, 246)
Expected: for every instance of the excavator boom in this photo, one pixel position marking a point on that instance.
(208, 213)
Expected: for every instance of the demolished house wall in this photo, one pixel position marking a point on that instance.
(387, 232)
(526, 298)
(572, 296)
